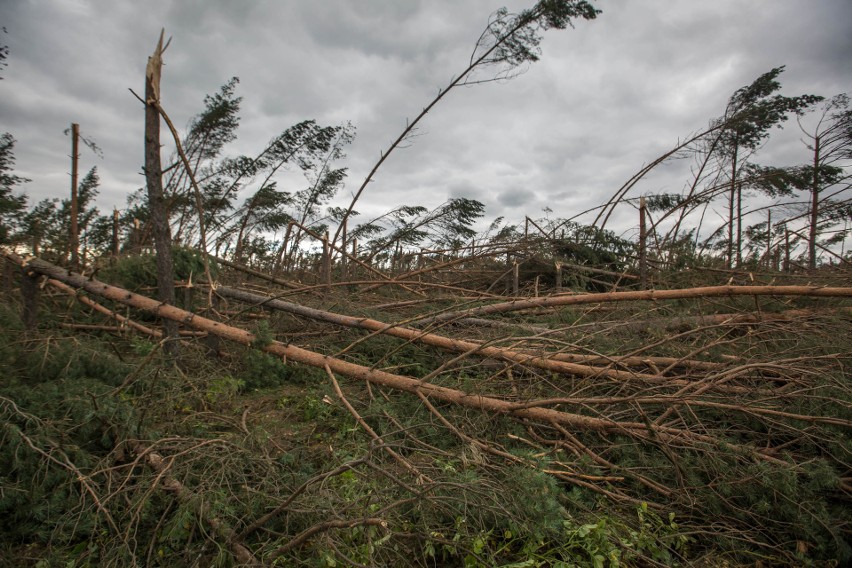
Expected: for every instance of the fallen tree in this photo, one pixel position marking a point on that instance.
(645, 295)
(435, 340)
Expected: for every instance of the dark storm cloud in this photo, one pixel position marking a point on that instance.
(606, 97)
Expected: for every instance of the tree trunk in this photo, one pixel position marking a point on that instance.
(280, 262)
(326, 260)
(739, 225)
(116, 242)
(442, 342)
(643, 250)
(156, 199)
(29, 295)
(74, 243)
(812, 235)
(644, 295)
(310, 358)
(241, 234)
(731, 198)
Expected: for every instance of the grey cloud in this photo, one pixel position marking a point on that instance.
(605, 98)
(516, 198)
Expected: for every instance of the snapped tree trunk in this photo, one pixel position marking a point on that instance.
(156, 200)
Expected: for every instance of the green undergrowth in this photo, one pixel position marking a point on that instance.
(74, 409)
(140, 271)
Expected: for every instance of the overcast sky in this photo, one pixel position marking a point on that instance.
(606, 97)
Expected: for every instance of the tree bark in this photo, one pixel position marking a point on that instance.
(74, 244)
(156, 199)
(442, 342)
(731, 199)
(116, 242)
(812, 234)
(30, 296)
(739, 225)
(646, 295)
(643, 250)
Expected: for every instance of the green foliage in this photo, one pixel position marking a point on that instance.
(216, 125)
(786, 503)
(513, 40)
(754, 109)
(11, 205)
(263, 335)
(224, 388)
(49, 222)
(664, 201)
(135, 272)
(51, 429)
(259, 370)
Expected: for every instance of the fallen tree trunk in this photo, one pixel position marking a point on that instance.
(689, 322)
(258, 274)
(590, 364)
(104, 310)
(646, 295)
(442, 342)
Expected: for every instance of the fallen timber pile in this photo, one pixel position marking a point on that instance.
(663, 400)
(525, 410)
(528, 410)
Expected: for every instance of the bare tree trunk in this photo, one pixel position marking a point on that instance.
(533, 410)
(74, 242)
(241, 234)
(36, 237)
(343, 267)
(156, 199)
(644, 295)
(731, 198)
(812, 235)
(29, 295)
(326, 263)
(116, 243)
(558, 277)
(280, 263)
(442, 342)
(769, 239)
(739, 225)
(643, 247)
(515, 282)
(212, 340)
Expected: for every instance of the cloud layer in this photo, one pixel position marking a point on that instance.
(605, 98)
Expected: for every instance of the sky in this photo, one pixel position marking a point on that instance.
(606, 97)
